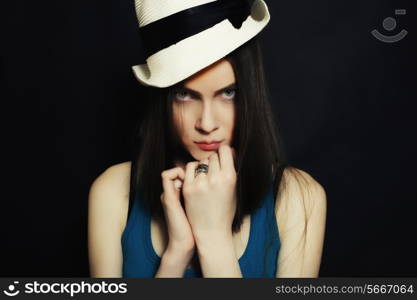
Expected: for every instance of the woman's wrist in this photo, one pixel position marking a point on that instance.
(217, 255)
(180, 257)
(210, 240)
(173, 264)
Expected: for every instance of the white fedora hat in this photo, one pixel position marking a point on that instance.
(182, 37)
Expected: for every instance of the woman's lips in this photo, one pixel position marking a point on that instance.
(208, 147)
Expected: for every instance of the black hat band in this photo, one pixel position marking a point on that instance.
(170, 30)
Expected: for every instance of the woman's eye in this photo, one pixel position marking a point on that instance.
(230, 93)
(181, 95)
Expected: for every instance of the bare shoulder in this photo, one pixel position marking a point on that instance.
(299, 191)
(107, 213)
(116, 177)
(301, 219)
(110, 191)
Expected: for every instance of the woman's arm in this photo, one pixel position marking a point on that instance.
(210, 203)
(301, 217)
(218, 257)
(172, 265)
(107, 209)
(107, 218)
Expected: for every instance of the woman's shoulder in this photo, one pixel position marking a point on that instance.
(299, 189)
(301, 219)
(110, 191)
(115, 178)
(299, 178)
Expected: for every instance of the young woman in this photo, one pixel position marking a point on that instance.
(208, 192)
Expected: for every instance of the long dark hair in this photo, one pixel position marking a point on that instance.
(260, 156)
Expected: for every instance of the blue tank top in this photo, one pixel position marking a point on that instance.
(258, 260)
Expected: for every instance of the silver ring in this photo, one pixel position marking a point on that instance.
(201, 168)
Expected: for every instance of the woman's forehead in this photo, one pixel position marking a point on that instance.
(214, 77)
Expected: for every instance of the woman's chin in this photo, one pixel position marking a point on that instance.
(201, 155)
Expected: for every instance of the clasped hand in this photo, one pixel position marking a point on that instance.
(209, 199)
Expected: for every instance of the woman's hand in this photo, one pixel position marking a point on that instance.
(181, 239)
(210, 200)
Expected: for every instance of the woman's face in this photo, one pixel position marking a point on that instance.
(204, 109)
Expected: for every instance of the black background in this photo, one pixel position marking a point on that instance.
(344, 100)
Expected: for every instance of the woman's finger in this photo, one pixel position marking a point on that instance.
(202, 175)
(178, 184)
(168, 178)
(234, 155)
(214, 164)
(189, 172)
(204, 161)
(226, 157)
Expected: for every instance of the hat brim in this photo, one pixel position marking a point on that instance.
(179, 61)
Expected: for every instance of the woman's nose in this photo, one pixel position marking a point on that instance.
(206, 120)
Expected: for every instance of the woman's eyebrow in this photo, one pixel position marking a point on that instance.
(197, 94)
